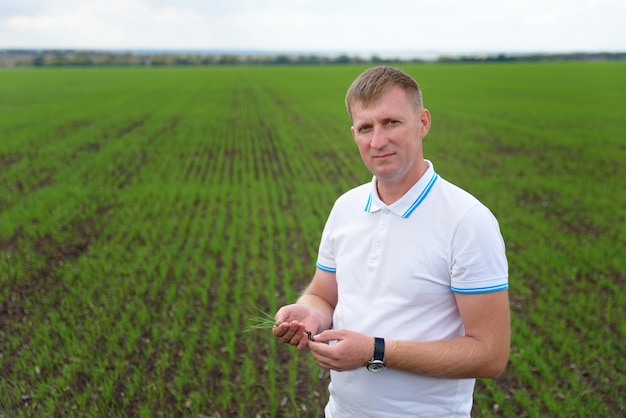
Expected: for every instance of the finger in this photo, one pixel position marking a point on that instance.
(283, 332)
(327, 336)
(304, 342)
(318, 351)
(280, 329)
(289, 333)
(296, 331)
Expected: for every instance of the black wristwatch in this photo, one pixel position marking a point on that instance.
(377, 363)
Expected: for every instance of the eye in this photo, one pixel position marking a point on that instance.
(364, 128)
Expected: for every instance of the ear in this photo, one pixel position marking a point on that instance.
(353, 131)
(424, 122)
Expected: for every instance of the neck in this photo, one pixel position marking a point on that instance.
(391, 190)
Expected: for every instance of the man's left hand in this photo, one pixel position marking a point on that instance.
(349, 350)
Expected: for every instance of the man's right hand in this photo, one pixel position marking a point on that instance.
(293, 323)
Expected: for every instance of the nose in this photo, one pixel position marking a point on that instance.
(379, 139)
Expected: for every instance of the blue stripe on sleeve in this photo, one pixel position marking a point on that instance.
(479, 290)
(326, 269)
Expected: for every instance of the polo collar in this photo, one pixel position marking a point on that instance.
(405, 206)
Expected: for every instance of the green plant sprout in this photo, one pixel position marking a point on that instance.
(267, 321)
(264, 321)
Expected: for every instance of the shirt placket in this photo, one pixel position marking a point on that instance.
(380, 238)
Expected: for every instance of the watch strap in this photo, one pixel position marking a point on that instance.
(379, 349)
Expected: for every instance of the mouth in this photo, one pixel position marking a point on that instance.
(383, 156)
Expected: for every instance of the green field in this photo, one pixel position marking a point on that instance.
(145, 215)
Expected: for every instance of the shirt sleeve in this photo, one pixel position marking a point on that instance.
(326, 253)
(479, 263)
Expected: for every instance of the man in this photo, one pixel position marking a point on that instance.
(409, 301)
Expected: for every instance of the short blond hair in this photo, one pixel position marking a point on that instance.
(372, 84)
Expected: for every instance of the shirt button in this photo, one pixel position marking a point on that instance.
(385, 211)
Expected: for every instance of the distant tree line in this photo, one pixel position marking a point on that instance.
(56, 58)
(579, 56)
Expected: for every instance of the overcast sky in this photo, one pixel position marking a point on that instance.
(350, 26)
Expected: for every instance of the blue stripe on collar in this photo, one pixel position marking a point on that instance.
(422, 196)
(368, 205)
(418, 201)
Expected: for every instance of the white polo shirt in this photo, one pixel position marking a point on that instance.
(397, 268)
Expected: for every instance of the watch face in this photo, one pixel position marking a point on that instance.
(376, 366)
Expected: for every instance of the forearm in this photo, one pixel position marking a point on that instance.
(482, 352)
(458, 358)
(321, 297)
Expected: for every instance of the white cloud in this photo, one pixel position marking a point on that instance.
(26, 23)
(310, 25)
(543, 19)
(59, 29)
